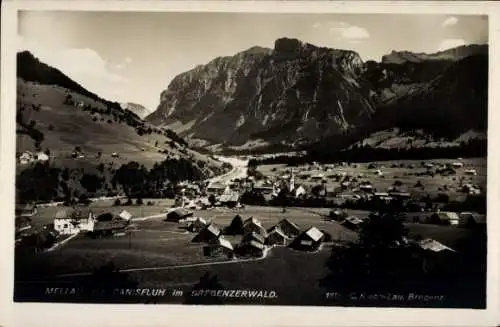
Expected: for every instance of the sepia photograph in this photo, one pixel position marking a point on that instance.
(251, 158)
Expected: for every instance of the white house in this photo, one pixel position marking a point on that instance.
(457, 164)
(471, 172)
(68, 221)
(40, 156)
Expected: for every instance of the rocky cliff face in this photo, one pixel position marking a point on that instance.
(297, 93)
(137, 109)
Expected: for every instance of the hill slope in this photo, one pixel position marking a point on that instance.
(56, 113)
(298, 94)
(137, 109)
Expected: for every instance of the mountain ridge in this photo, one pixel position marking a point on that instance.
(295, 94)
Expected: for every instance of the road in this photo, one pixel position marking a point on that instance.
(240, 170)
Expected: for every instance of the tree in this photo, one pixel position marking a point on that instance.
(91, 182)
(132, 178)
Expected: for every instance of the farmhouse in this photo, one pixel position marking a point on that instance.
(125, 215)
(471, 219)
(252, 236)
(253, 225)
(445, 217)
(366, 187)
(300, 191)
(337, 215)
(309, 240)
(470, 172)
(352, 222)
(288, 228)
(103, 228)
(230, 199)
(216, 189)
(208, 234)
(27, 210)
(70, 221)
(178, 214)
(457, 165)
(276, 237)
(252, 248)
(218, 247)
(40, 156)
(433, 245)
(197, 225)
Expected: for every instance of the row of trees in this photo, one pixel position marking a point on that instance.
(366, 153)
(43, 182)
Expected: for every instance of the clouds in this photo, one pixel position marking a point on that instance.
(343, 30)
(125, 62)
(450, 43)
(85, 66)
(450, 21)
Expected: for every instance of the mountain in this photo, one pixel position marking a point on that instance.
(454, 54)
(295, 93)
(298, 94)
(57, 115)
(137, 109)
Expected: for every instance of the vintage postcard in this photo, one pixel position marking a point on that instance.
(250, 156)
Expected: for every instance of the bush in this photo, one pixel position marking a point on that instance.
(139, 201)
(117, 202)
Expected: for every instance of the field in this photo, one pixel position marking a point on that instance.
(406, 175)
(158, 254)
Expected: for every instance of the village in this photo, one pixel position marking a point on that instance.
(301, 208)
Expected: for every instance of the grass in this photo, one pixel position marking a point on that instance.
(75, 127)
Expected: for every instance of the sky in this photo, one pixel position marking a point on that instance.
(132, 56)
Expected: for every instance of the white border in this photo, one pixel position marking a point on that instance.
(168, 315)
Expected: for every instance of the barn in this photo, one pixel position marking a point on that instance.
(208, 234)
(309, 240)
(253, 236)
(276, 237)
(219, 247)
(352, 222)
(178, 214)
(289, 228)
(253, 225)
(251, 249)
(197, 225)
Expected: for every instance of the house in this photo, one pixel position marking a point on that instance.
(178, 214)
(300, 191)
(433, 245)
(337, 215)
(457, 165)
(197, 225)
(218, 247)
(288, 228)
(40, 156)
(216, 189)
(471, 219)
(26, 210)
(208, 234)
(366, 187)
(107, 228)
(253, 236)
(70, 221)
(26, 157)
(472, 172)
(276, 237)
(125, 215)
(352, 222)
(253, 225)
(445, 217)
(230, 199)
(114, 155)
(309, 240)
(400, 195)
(252, 249)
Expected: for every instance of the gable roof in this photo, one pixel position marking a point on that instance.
(213, 229)
(277, 230)
(314, 233)
(254, 221)
(448, 215)
(224, 243)
(71, 213)
(286, 221)
(255, 236)
(433, 245)
(125, 215)
(257, 245)
(354, 220)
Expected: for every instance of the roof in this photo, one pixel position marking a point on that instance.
(314, 233)
(448, 215)
(288, 222)
(354, 220)
(107, 225)
(231, 197)
(433, 245)
(213, 229)
(125, 215)
(254, 221)
(257, 245)
(277, 230)
(224, 243)
(68, 213)
(181, 212)
(200, 220)
(255, 236)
